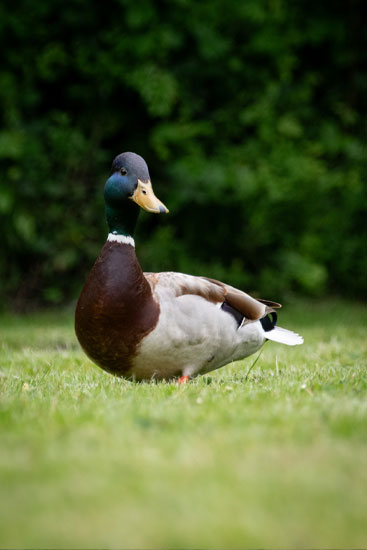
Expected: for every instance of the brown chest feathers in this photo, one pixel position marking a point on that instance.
(115, 310)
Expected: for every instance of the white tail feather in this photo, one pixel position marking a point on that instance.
(284, 336)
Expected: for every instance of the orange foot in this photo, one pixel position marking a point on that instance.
(183, 379)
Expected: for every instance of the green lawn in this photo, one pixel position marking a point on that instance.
(275, 460)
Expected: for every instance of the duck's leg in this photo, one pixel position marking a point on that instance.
(183, 379)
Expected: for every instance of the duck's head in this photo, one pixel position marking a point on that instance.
(129, 185)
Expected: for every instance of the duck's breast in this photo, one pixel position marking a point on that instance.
(115, 310)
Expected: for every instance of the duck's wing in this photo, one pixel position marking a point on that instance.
(213, 291)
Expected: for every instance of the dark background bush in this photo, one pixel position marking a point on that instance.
(249, 114)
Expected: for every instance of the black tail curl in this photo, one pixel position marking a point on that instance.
(269, 321)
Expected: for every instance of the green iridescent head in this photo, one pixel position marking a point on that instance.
(128, 188)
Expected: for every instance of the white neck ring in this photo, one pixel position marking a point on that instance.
(121, 239)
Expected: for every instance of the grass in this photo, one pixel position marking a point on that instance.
(275, 460)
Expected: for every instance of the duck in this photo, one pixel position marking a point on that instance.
(146, 326)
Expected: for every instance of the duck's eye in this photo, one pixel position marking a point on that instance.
(123, 171)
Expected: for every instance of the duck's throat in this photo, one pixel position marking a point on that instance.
(122, 221)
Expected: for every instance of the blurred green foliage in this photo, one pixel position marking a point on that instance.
(249, 114)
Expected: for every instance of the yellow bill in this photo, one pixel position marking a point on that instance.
(145, 198)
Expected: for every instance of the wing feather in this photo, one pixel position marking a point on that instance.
(213, 291)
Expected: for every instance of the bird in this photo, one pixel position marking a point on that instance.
(167, 325)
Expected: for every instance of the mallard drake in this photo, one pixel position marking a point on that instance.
(144, 326)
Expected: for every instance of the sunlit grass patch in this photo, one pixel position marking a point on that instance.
(275, 456)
